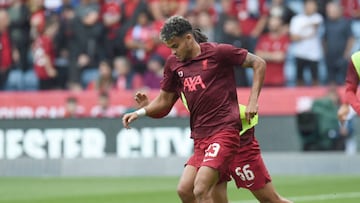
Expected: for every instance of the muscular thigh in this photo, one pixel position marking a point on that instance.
(219, 150)
(186, 182)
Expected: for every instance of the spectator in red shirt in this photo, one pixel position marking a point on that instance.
(44, 56)
(5, 48)
(272, 47)
(351, 8)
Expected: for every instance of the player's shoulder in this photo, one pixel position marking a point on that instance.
(215, 47)
(172, 62)
(208, 44)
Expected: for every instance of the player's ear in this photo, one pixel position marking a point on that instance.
(188, 36)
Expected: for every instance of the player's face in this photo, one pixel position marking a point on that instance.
(180, 47)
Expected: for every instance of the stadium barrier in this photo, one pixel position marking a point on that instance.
(97, 138)
(51, 104)
(102, 147)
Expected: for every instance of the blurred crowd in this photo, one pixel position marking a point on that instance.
(114, 44)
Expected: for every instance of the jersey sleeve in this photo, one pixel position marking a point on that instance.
(351, 85)
(169, 81)
(230, 54)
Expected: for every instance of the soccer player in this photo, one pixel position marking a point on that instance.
(203, 75)
(351, 85)
(247, 168)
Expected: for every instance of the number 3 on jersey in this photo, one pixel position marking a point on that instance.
(245, 173)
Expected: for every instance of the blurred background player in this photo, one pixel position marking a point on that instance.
(351, 102)
(351, 85)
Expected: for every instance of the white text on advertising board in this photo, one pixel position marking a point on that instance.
(69, 143)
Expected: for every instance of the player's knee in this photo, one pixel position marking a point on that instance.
(201, 191)
(185, 193)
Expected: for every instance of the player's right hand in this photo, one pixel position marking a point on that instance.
(343, 113)
(129, 118)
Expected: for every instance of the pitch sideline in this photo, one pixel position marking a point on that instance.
(347, 195)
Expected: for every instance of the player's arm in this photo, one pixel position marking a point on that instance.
(142, 100)
(162, 103)
(351, 85)
(259, 66)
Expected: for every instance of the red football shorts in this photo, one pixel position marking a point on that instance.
(247, 168)
(216, 151)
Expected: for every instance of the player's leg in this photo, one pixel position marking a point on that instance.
(219, 150)
(219, 194)
(268, 194)
(249, 171)
(186, 184)
(205, 183)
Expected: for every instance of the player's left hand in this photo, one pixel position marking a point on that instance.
(141, 99)
(251, 111)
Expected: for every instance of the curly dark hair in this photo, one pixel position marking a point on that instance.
(175, 26)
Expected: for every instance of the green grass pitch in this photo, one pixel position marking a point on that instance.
(310, 189)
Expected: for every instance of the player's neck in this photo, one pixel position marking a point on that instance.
(196, 50)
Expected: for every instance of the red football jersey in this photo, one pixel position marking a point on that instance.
(208, 84)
